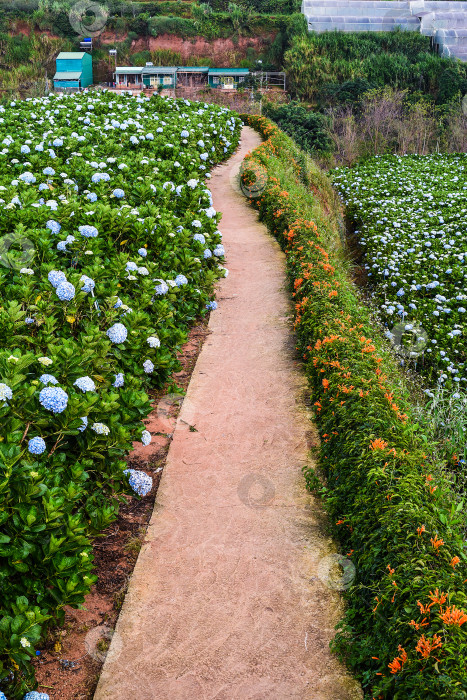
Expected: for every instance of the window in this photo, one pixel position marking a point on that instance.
(215, 81)
(167, 80)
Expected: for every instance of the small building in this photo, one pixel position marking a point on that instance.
(73, 70)
(227, 78)
(192, 76)
(148, 76)
(159, 76)
(128, 76)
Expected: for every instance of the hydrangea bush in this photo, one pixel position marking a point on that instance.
(410, 214)
(101, 275)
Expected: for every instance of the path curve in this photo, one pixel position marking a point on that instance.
(226, 600)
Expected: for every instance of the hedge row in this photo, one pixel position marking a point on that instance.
(404, 631)
(114, 252)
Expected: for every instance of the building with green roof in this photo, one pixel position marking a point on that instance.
(73, 70)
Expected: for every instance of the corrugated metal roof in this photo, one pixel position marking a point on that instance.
(228, 71)
(68, 75)
(130, 70)
(159, 70)
(71, 54)
(193, 69)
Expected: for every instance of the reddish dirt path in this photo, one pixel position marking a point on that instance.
(226, 600)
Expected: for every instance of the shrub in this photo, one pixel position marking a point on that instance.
(403, 631)
(126, 176)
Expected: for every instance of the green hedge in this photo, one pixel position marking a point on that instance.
(403, 632)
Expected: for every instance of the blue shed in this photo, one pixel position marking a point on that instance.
(74, 70)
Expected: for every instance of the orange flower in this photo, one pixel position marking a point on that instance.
(391, 571)
(420, 530)
(325, 384)
(378, 444)
(454, 616)
(424, 609)
(437, 543)
(332, 294)
(397, 664)
(425, 646)
(437, 597)
(417, 625)
(454, 561)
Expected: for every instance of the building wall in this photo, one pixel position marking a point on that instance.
(86, 67)
(167, 81)
(66, 83)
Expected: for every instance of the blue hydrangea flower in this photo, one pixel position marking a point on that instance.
(153, 341)
(85, 384)
(92, 196)
(185, 134)
(25, 149)
(97, 177)
(143, 252)
(140, 482)
(36, 446)
(148, 366)
(200, 238)
(161, 288)
(48, 171)
(211, 305)
(61, 246)
(100, 428)
(219, 250)
(85, 424)
(53, 399)
(34, 695)
(56, 277)
(54, 226)
(2, 696)
(29, 320)
(5, 392)
(48, 379)
(88, 283)
(196, 223)
(146, 438)
(118, 193)
(119, 380)
(88, 231)
(180, 280)
(57, 143)
(27, 177)
(65, 291)
(207, 254)
(117, 333)
(118, 303)
(131, 266)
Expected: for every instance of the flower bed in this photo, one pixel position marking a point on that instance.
(404, 631)
(411, 217)
(110, 249)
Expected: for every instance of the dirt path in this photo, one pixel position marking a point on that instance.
(228, 599)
